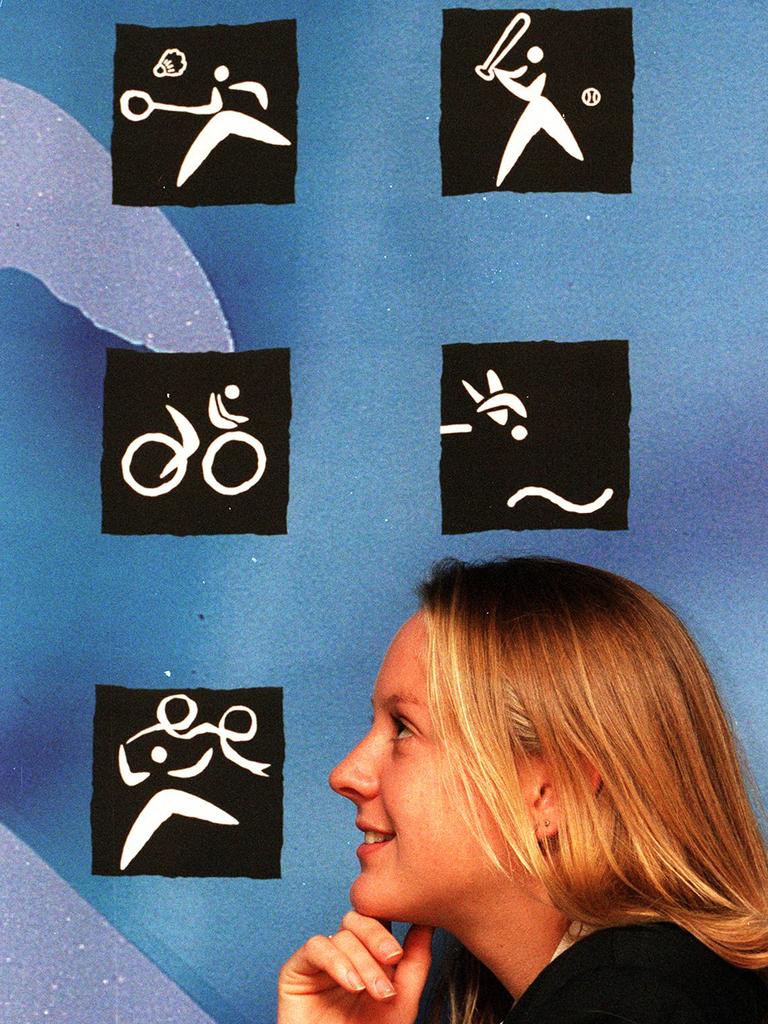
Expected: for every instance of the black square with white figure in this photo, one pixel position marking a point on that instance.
(196, 443)
(188, 782)
(205, 115)
(535, 436)
(536, 101)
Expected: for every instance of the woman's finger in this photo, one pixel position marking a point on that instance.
(374, 936)
(377, 978)
(319, 956)
(412, 970)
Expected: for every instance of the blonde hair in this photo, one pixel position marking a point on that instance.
(534, 657)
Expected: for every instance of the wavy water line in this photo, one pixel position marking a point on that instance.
(563, 503)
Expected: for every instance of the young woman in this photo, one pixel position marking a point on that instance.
(550, 777)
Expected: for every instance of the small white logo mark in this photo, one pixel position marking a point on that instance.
(591, 97)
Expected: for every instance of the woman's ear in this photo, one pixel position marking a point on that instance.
(540, 797)
(594, 777)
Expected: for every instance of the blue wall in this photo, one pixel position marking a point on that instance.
(365, 277)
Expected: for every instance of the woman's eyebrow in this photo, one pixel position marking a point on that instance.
(398, 698)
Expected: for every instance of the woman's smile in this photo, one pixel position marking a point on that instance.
(372, 844)
(372, 838)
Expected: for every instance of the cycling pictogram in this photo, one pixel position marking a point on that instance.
(174, 470)
(196, 443)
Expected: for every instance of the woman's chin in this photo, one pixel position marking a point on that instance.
(370, 901)
(367, 899)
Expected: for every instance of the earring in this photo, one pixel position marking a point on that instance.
(546, 823)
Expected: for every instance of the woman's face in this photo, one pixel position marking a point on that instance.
(419, 860)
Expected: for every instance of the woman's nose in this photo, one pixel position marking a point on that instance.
(355, 777)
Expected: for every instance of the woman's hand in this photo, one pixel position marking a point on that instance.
(360, 975)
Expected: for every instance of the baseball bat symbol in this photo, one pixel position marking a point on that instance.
(517, 28)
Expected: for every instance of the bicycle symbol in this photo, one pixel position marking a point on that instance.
(176, 466)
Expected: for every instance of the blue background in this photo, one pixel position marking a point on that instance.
(365, 277)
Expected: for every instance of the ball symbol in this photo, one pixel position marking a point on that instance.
(591, 97)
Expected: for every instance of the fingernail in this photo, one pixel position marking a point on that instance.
(383, 988)
(355, 981)
(389, 950)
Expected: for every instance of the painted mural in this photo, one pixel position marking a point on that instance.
(296, 299)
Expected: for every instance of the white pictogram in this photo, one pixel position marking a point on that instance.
(220, 126)
(591, 97)
(167, 802)
(172, 64)
(176, 466)
(498, 406)
(540, 114)
(556, 499)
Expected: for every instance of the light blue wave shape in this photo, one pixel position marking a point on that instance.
(63, 961)
(126, 269)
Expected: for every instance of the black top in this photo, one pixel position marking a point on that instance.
(642, 974)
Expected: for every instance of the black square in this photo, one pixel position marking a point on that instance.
(537, 100)
(205, 115)
(535, 436)
(188, 782)
(196, 443)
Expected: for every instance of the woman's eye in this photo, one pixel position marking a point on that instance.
(402, 731)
